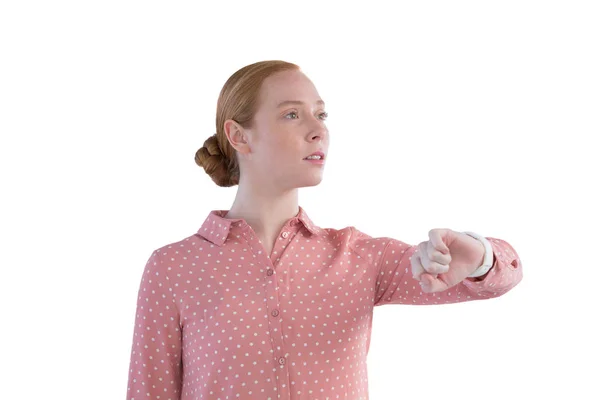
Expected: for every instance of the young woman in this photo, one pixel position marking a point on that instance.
(262, 303)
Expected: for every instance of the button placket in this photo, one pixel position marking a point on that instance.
(273, 301)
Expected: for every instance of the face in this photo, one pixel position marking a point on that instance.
(273, 151)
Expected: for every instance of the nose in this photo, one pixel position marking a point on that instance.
(320, 131)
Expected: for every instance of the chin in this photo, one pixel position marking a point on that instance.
(298, 180)
(314, 181)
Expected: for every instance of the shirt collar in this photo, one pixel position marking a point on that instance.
(216, 228)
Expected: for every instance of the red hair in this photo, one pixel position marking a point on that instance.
(238, 101)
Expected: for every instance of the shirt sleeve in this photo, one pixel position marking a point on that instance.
(155, 370)
(394, 284)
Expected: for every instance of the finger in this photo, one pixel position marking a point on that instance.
(425, 282)
(438, 256)
(439, 259)
(430, 266)
(435, 237)
(430, 284)
(415, 264)
(419, 272)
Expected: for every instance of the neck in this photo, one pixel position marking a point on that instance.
(266, 212)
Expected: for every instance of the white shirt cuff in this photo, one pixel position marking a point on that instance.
(488, 259)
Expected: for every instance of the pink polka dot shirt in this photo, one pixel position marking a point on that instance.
(217, 318)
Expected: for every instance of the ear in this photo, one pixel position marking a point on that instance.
(237, 136)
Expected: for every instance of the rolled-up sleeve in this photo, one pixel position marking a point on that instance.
(155, 370)
(394, 283)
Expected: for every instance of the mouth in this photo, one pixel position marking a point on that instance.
(316, 156)
(318, 161)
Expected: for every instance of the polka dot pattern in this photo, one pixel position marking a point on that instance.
(217, 318)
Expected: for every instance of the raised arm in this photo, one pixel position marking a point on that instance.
(394, 283)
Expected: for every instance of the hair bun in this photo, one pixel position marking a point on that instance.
(212, 146)
(211, 158)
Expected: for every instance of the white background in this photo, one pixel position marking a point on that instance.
(468, 115)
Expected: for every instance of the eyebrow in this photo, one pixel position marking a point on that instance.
(286, 102)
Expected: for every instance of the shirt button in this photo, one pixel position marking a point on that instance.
(274, 313)
(269, 272)
(285, 234)
(281, 360)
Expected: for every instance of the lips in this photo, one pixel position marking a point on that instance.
(316, 153)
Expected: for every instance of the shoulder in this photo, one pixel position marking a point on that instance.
(353, 235)
(357, 241)
(374, 247)
(175, 251)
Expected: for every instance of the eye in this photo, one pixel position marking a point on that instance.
(323, 115)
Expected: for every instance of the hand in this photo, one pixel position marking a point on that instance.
(446, 259)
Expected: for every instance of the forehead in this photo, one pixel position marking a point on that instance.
(287, 85)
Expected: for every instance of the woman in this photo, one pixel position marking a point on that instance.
(261, 303)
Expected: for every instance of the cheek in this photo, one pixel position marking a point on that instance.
(286, 148)
(281, 146)
(273, 155)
